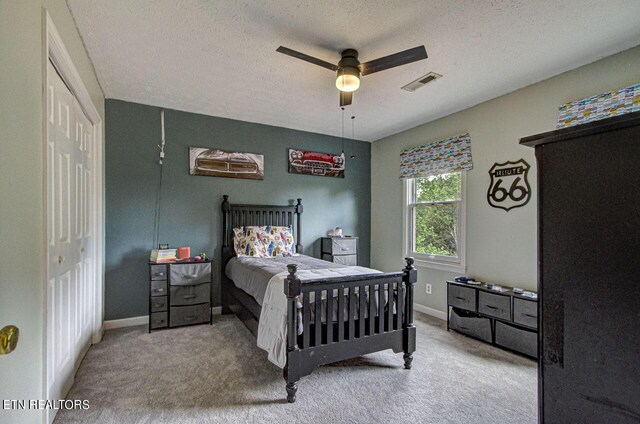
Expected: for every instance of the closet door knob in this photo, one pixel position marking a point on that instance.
(8, 339)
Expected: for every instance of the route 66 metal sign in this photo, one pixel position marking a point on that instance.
(509, 186)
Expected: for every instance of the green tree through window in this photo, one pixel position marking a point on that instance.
(435, 206)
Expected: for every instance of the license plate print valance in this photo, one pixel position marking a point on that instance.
(450, 155)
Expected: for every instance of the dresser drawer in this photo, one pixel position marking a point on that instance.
(187, 274)
(462, 297)
(158, 303)
(190, 295)
(466, 323)
(525, 312)
(517, 339)
(158, 320)
(494, 305)
(158, 272)
(159, 288)
(185, 315)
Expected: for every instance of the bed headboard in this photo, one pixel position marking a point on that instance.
(240, 215)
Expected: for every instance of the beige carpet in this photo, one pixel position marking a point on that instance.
(216, 374)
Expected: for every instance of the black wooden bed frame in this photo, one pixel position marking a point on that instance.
(325, 343)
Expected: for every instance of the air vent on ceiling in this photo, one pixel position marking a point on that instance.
(421, 82)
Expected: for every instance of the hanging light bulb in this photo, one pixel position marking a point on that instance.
(348, 79)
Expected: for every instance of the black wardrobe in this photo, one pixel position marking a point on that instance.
(589, 271)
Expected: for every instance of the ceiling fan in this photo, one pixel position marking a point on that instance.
(349, 69)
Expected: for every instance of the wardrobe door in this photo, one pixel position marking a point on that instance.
(589, 217)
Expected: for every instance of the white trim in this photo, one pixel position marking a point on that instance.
(126, 322)
(142, 320)
(429, 261)
(55, 51)
(430, 311)
(61, 59)
(441, 266)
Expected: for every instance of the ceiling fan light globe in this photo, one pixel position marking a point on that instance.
(347, 83)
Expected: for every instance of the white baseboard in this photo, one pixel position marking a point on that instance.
(126, 322)
(430, 311)
(142, 320)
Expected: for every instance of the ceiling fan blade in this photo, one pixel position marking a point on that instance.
(307, 58)
(393, 60)
(346, 98)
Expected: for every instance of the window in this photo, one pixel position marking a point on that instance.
(435, 220)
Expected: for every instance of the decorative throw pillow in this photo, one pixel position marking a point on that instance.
(279, 241)
(250, 241)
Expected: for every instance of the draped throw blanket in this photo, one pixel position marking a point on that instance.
(440, 157)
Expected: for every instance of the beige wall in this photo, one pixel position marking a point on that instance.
(501, 246)
(22, 233)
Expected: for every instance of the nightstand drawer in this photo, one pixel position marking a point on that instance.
(159, 304)
(343, 246)
(462, 297)
(185, 315)
(158, 272)
(495, 305)
(341, 259)
(188, 274)
(159, 288)
(158, 320)
(190, 295)
(525, 312)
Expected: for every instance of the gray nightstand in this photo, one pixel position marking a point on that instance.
(340, 250)
(179, 294)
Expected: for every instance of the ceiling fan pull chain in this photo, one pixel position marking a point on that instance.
(342, 130)
(353, 134)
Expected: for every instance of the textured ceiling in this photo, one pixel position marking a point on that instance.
(219, 58)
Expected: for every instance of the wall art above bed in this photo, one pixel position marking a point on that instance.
(316, 163)
(222, 163)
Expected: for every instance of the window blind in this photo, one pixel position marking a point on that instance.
(440, 157)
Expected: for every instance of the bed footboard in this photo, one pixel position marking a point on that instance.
(368, 326)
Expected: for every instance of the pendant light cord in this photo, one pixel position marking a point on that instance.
(156, 222)
(342, 129)
(156, 218)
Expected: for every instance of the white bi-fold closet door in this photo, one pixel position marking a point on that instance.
(71, 290)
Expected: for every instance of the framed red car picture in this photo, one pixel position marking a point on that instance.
(316, 163)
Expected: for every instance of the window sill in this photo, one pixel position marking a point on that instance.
(423, 262)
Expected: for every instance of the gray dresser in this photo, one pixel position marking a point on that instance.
(179, 294)
(340, 250)
(506, 319)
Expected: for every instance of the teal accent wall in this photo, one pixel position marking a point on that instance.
(190, 205)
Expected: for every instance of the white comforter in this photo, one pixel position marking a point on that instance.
(272, 327)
